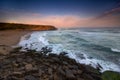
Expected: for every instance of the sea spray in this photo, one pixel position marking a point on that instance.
(80, 45)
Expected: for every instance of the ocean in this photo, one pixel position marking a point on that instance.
(86, 46)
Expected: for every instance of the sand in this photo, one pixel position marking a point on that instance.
(10, 38)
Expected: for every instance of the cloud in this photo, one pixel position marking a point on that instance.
(107, 21)
(111, 12)
(110, 18)
(56, 20)
(63, 21)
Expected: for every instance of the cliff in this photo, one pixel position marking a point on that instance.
(16, 26)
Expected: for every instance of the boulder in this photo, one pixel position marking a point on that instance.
(28, 67)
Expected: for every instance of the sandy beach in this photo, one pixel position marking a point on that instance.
(10, 38)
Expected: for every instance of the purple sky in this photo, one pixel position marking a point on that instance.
(62, 13)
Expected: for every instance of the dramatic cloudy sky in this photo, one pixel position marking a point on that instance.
(62, 13)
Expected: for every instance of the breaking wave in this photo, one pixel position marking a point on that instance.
(78, 45)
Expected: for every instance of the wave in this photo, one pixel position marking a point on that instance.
(102, 48)
(37, 40)
(115, 50)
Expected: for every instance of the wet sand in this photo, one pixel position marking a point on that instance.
(10, 38)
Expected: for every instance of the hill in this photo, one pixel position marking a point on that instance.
(16, 26)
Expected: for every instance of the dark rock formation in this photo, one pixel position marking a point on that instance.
(44, 65)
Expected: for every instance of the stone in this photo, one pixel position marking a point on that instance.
(11, 78)
(65, 63)
(49, 71)
(63, 54)
(19, 60)
(55, 59)
(55, 76)
(31, 66)
(28, 67)
(75, 72)
(61, 71)
(88, 77)
(17, 74)
(40, 72)
(79, 71)
(30, 77)
(29, 60)
(15, 64)
(4, 50)
(69, 74)
(80, 79)
(65, 67)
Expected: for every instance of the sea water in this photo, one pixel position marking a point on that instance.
(86, 46)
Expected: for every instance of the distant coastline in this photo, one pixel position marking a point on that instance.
(18, 26)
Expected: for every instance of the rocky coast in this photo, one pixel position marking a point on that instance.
(16, 64)
(44, 65)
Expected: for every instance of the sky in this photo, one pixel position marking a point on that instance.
(62, 13)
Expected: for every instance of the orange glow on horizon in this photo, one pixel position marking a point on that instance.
(67, 21)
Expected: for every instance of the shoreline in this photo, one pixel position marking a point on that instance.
(9, 38)
(28, 67)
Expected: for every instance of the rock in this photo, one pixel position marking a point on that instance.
(15, 64)
(99, 67)
(35, 70)
(55, 76)
(55, 59)
(50, 71)
(28, 67)
(73, 67)
(65, 67)
(18, 74)
(80, 71)
(80, 79)
(96, 76)
(11, 78)
(30, 77)
(54, 67)
(60, 70)
(46, 63)
(69, 75)
(33, 66)
(90, 69)
(65, 63)
(19, 60)
(29, 60)
(46, 50)
(40, 72)
(77, 72)
(1, 78)
(81, 56)
(62, 54)
(52, 55)
(4, 50)
(88, 77)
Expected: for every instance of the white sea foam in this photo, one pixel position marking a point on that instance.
(115, 50)
(38, 40)
(94, 62)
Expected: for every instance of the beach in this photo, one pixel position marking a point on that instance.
(9, 38)
(24, 64)
(43, 64)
